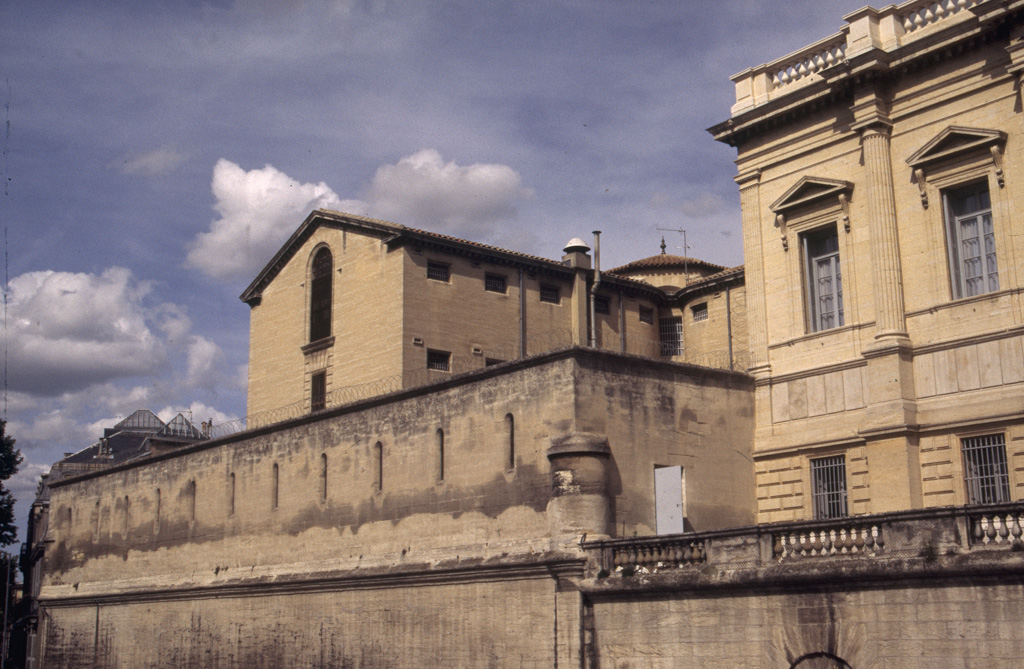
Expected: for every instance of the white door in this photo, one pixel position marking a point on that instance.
(668, 499)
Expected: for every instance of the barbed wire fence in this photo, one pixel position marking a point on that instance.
(545, 342)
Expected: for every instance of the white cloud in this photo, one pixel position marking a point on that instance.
(160, 161)
(258, 210)
(204, 362)
(466, 201)
(71, 330)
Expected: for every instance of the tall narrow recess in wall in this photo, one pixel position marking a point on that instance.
(323, 477)
(440, 454)
(510, 427)
(378, 466)
(231, 494)
(274, 478)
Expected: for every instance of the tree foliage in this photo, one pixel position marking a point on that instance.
(10, 458)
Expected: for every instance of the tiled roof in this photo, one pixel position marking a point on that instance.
(665, 261)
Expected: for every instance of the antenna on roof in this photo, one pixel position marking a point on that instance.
(686, 251)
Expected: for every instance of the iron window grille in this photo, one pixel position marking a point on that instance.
(824, 279)
(700, 312)
(602, 305)
(550, 294)
(438, 271)
(985, 472)
(495, 283)
(971, 240)
(828, 487)
(440, 361)
(646, 315)
(671, 331)
(318, 395)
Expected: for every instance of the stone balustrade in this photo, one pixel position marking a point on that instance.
(812, 60)
(915, 16)
(845, 539)
(996, 528)
(921, 533)
(868, 29)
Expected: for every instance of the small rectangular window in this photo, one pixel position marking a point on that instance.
(439, 360)
(700, 312)
(824, 279)
(646, 315)
(971, 241)
(318, 395)
(671, 331)
(828, 487)
(438, 271)
(495, 283)
(985, 471)
(549, 294)
(602, 304)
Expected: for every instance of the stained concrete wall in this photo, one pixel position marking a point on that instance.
(239, 518)
(906, 626)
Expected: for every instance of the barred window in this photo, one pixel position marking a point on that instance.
(318, 393)
(602, 304)
(646, 315)
(549, 294)
(671, 330)
(985, 469)
(438, 271)
(495, 283)
(439, 360)
(828, 487)
(700, 312)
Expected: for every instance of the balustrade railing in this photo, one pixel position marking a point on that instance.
(657, 554)
(843, 540)
(932, 12)
(996, 528)
(925, 534)
(812, 60)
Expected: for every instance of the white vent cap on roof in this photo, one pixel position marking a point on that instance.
(576, 244)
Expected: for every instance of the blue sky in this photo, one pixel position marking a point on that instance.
(157, 153)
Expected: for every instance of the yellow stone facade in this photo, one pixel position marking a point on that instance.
(866, 141)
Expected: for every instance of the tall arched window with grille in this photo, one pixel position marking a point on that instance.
(320, 295)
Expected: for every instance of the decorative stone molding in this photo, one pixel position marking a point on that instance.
(811, 190)
(956, 142)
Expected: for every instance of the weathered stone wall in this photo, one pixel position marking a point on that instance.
(471, 619)
(933, 625)
(241, 525)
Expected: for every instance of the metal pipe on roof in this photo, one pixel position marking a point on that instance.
(594, 287)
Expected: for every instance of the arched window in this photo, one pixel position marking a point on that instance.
(320, 295)
(323, 477)
(275, 478)
(440, 454)
(510, 425)
(156, 520)
(231, 494)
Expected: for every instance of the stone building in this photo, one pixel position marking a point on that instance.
(813, 461)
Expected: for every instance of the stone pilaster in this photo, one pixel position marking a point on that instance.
(885, 254)
(753, 251)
